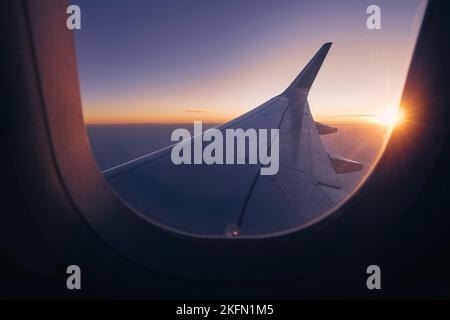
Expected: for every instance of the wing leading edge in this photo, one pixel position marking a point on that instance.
(218, 200)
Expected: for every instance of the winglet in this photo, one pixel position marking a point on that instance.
(306, 78)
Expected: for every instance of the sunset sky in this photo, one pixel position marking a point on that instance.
(167, 61)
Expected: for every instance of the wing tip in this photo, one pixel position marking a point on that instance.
(327, 46)
(306, 78)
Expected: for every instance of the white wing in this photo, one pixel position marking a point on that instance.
(214, 200)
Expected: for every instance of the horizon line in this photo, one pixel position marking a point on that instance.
(352, 119)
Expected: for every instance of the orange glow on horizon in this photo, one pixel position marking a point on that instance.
(160, 118)
(216, 118)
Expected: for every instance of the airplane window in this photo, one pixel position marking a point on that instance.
(241, 118)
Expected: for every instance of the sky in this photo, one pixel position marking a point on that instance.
(176, 61)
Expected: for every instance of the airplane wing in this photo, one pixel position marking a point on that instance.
(218, 200)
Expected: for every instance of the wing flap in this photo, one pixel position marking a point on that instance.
(323, 129)
(342, 165)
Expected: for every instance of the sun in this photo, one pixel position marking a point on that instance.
(389, 117)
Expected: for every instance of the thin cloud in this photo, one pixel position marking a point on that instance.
(196, 110)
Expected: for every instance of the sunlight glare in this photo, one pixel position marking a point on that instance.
(389, 117)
